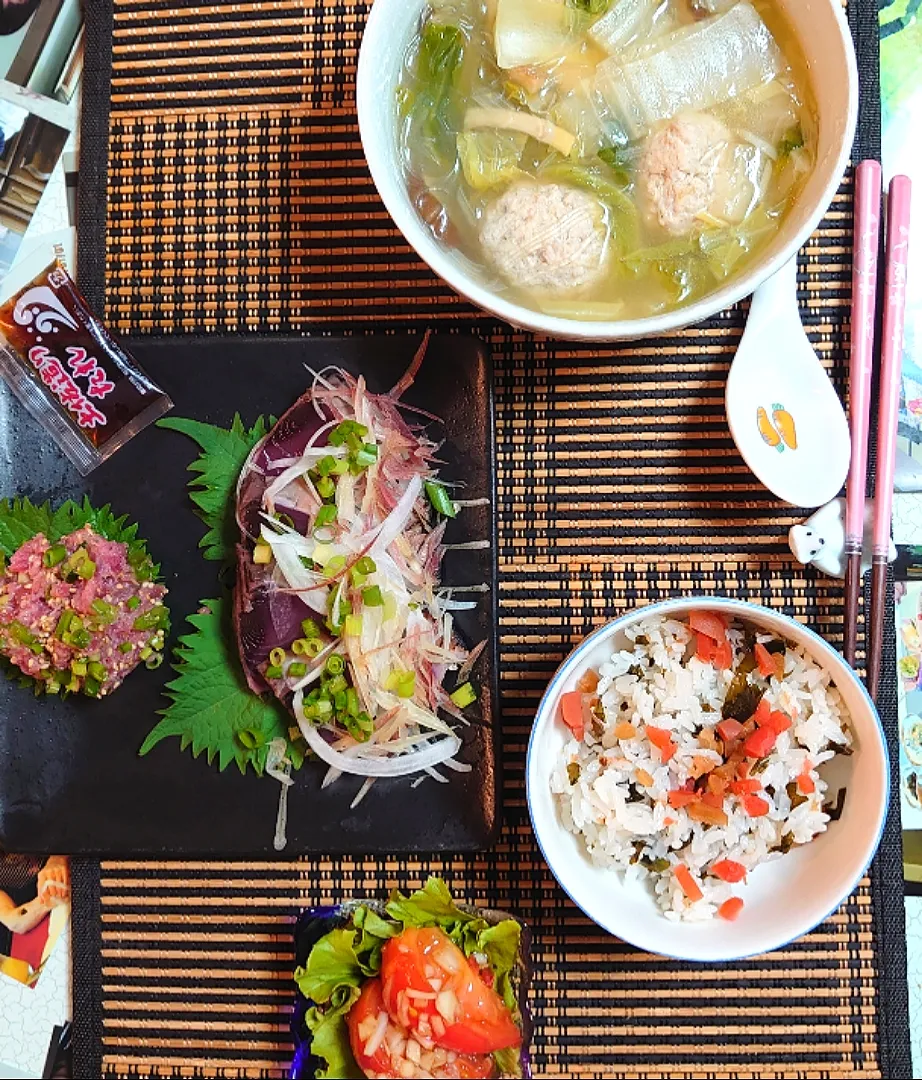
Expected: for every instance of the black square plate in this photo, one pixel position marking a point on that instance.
(70, 776)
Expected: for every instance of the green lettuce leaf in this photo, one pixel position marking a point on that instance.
(211, 707)
(213, 489)
(332, 964)
(330, 1041)
(489, 158)
(430, 906)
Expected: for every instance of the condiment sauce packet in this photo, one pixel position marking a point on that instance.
(72, 377)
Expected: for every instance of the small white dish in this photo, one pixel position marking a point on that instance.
(784, 899)
(824, 37)
(785, 416)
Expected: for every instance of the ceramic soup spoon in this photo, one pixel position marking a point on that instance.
(784, 413)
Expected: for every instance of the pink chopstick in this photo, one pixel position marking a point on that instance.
(898, 203)
(868, 182)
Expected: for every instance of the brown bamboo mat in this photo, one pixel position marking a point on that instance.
(238, 201)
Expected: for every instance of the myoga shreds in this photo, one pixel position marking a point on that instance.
(694, 757)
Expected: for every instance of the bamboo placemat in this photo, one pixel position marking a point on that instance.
(238, 201)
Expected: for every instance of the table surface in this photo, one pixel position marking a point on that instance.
(238, 201)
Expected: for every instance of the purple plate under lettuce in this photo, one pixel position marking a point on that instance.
(314, 923)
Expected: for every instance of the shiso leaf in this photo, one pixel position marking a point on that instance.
(21, 520)
(217, 468)
(211, 706)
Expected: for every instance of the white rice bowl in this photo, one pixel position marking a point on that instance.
(613, 843)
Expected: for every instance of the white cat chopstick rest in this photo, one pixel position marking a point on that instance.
(820, 540)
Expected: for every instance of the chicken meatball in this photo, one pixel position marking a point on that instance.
(680, 168)
(547, 238)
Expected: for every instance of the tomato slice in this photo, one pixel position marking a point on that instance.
(363, 1021)
(430, 988)
(370, 1028)
(755, 805)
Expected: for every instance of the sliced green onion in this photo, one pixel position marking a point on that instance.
(346, 430)
(366, 565)
(86, 569)
(106, 612)
(367, 456)
(322, 709)
(54, 555)
(67, 617)
(334, 564)
(335, 686)
(390, 606)
(79, 639)
(133, 603)
(91, 687)
(297, 669)
(262, 554)
(125, 647)
(151, 620)
(352, 701)
(24, 636)
(326, 488)
(439, 497)
(96, 670)
(52, 686)
(341, 467)
(325, 465)
(465, 695)
(326, 515)
(301, 647)
(251, 738)
(335, 665)
(315, 647)
(78, 667)
(310, 629)
(277, 657)
(353, 626)
(274, 672)
(371, 597)
(154, 661)
(359, 727)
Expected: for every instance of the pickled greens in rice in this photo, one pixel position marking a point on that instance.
(548, 142)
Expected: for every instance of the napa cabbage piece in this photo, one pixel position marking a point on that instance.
(599, 181)
(624, 21)
(530, 32)
(490, 158)
(712, 62)
(691, 264)
(428, 101)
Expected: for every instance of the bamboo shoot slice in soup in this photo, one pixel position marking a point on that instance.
(605, 159)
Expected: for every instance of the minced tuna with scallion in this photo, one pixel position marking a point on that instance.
(80, 614)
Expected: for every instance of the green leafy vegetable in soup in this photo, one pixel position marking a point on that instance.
(600, 160)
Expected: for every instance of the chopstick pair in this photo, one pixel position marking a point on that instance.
(864, 302)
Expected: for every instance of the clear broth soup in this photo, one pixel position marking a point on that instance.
(605, 159)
